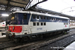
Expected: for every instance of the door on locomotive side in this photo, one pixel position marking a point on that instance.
(23, 20)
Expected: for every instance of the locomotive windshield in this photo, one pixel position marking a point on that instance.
(19, 18)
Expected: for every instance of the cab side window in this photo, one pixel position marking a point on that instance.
(25, 16)
(37, 17)
(34, 17)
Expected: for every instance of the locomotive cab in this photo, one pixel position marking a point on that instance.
(18, 24)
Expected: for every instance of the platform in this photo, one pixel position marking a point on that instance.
(70, 47)
(72, 27)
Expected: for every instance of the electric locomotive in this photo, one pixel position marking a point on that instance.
(2, 27)
(29, 23)
(2, 24)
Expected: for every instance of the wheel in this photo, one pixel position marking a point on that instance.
(7, 35)
(41, 36)
(26, 39)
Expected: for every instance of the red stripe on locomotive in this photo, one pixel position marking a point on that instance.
(16, 29)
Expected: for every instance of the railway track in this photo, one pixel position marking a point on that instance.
(56, 42)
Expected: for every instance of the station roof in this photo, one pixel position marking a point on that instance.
(14, 3)
(8, 5)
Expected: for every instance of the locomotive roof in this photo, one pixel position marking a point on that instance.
(38, 13)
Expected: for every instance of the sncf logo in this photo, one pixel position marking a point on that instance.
(3, 25)
(65, 25)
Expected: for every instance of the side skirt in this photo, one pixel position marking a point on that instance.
(42, 33)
